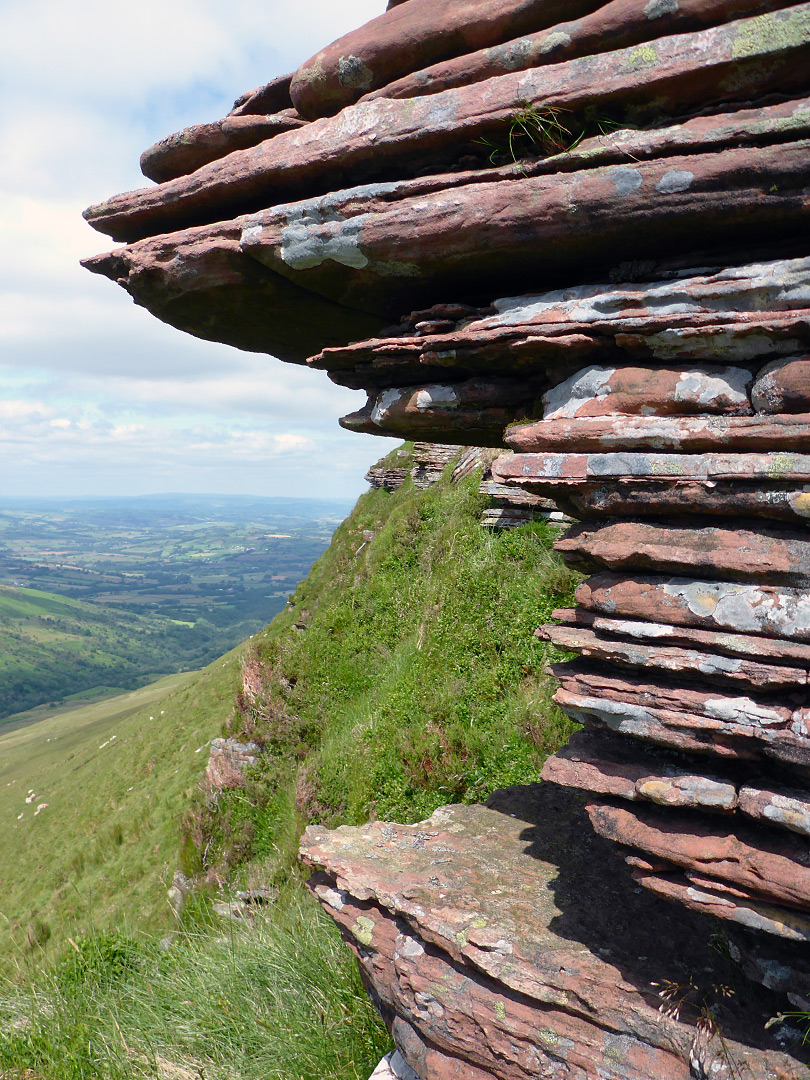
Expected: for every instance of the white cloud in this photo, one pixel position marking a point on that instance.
(99, 394)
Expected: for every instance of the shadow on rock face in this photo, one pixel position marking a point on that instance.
(662, 950)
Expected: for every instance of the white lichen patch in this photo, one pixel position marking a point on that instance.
(745, 608)
(675, 180)
(304, 246)
(728, 387)
(654, 9)
(565, 399)
(626, 181)
(554, 41)
(436, 397)
(781, 285)
(354, 73)
(383, 405)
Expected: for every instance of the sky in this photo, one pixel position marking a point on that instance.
(97, 397)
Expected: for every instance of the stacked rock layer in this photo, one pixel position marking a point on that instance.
(578, 232)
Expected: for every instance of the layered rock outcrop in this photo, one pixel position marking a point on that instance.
(581, 235)
(507, 507)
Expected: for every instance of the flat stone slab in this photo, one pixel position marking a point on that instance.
(509, 941)
(614, 25)
(650, 391)
(397, 42)
(748, 646)
(765, 555)
(688, 434)
(755, 864)
(676, 73)
(561, 470)
(690, 664)
(783, 386)
(770, 610)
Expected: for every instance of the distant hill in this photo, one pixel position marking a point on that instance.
(111, 592)
(53, 647)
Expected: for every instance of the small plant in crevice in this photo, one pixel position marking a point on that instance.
(685, 1001)
(799, 1017)
(535, 132)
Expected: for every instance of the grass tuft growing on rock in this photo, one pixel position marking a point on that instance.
(278, 1000)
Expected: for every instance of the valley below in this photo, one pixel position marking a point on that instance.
(103, 595)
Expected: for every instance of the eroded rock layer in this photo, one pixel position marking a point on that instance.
(579, 232)
(507, 941)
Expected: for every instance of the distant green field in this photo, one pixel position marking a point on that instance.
(90, 800)
(53, 647)
(115, 592)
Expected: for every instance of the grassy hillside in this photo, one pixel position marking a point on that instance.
(404, 676)
(52, 647)
(89, 807)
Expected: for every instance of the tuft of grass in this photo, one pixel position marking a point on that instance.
(278, 1000)
(535, 132)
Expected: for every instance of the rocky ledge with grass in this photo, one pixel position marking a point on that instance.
(580, 236)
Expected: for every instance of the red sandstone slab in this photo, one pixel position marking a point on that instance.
(772, 650)
(477, 929)
(764, 555)
(560, 470)
(688, 663)
(738, 313)
(683, 731)
(668, 498)
(785, 807)
(650, 391)
(770, 866)
(757, 53)
(200, 281)
(715, 708)
(688, 434)
(690, 732)
(773, 611)
(476, 410)
(783, 386)
(614, 26)
(492, 235)
(193, 147)
(609, 765)
(406, 38)
(752, 914)
(273, 97)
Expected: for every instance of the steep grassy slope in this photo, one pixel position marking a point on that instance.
(404, 676)
(115, 776)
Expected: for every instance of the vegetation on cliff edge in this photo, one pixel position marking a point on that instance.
(404, 675)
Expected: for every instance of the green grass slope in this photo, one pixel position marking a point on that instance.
(404, 675)
(89, 806)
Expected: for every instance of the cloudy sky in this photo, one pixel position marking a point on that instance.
(96, 395)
